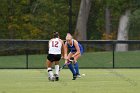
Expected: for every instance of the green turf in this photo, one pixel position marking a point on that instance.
(91, 59)
(95, 81)
(127, 59)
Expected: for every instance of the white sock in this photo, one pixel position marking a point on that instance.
(57, 69)
(50, 72)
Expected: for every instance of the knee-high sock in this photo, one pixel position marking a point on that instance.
(76, 67)
(57, 69)
(50, 72)
(72, 69)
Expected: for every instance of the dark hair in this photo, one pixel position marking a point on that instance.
(55, 34)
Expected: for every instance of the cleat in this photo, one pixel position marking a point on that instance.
(51, 78)
(79, 76)
(56, 77)
(74, 77)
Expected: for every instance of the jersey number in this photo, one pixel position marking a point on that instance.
(54, 43)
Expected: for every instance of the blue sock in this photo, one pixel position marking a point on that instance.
(72, 69)
(76, 67)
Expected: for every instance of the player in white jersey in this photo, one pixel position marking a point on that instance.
(56, 49)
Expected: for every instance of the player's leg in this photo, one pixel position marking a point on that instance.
(70, 66)
(57, 59)
(50, 72)
(49, 67)
(76, 66)
(56, 70)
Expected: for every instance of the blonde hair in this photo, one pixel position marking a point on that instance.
(68, 36)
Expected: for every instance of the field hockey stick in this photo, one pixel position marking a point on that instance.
(70, 61)
(62, 67)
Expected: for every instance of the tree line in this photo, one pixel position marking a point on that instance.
(37, 19)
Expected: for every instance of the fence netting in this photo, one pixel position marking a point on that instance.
(99, 54)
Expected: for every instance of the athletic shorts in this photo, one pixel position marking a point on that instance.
(54, 57)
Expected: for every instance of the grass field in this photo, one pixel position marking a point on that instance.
(95, 81)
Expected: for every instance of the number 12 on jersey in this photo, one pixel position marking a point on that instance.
(55, 43)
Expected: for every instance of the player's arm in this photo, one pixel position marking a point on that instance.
(63, 49)
(77, 48)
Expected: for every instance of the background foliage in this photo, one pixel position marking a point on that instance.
(37, 19)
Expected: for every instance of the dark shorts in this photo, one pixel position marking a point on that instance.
(54, 57)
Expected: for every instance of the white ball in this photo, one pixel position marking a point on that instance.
(83, 74)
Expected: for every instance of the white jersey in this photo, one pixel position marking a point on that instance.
(55, 45)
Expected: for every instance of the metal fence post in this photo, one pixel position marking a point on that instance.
(113, 58)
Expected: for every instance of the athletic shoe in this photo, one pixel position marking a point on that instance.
(78, 76)
(74, 77)
(51, 78)
(56, 77)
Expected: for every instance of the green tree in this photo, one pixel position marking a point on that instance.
(96, 24)
(134, 29)
(33, 19)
